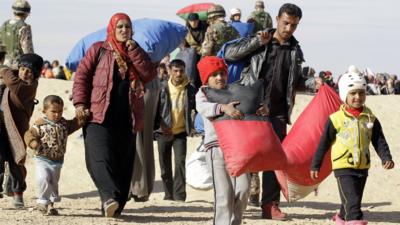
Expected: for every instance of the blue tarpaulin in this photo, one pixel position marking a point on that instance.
(244, 29)
(157, 37)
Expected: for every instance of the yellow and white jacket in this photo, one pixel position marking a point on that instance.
(349, 139)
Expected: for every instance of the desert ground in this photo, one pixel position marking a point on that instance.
(80, 203)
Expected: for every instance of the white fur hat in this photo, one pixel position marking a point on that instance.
(351, 80)
(235, 11)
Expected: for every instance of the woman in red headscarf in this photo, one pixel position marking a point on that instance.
(108, 97)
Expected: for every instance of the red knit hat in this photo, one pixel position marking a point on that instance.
(209, 65)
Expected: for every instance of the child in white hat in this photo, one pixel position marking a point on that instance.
(348, 133)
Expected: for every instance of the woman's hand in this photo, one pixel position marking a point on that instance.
(130, 45)
(82, 114)
(230, 110)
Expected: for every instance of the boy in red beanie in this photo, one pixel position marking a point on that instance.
(230, 193)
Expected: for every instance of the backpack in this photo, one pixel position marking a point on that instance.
(9, 34)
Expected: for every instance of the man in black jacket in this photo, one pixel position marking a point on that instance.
(174, 120)
(275, 56)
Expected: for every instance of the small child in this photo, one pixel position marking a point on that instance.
(348, 133)
(230, 193)
(48, 137)
(16, 110)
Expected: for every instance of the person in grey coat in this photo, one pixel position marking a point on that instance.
(230, 193)
(143, 167)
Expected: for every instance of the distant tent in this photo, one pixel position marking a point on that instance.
(157, 37)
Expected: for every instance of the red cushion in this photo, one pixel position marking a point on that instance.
(303, 139)
(249, 146)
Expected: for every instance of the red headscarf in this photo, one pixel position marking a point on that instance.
(125, 65)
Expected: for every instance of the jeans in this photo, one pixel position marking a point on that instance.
(47, 177)
(174, 188)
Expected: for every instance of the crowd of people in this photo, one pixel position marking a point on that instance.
(120, 96)
(377, 83)
(55, 70)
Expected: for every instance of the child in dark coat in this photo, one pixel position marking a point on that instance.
(16, 108)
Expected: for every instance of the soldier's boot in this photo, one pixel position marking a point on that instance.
(254, 199)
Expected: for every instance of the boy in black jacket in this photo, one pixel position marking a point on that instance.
(174, 117)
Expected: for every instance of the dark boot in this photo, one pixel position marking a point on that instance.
(254, 200)
(271, 211)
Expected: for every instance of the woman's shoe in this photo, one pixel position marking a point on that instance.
(110, 206)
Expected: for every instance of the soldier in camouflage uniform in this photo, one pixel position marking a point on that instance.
(2, 53)
(218, 31)
(261, 19)
(16, 35)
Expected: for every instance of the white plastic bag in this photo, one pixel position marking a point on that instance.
(198, 174)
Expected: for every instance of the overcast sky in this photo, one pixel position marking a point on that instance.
(333, 33)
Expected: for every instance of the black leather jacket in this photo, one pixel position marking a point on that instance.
(253, 53)
(163, 114)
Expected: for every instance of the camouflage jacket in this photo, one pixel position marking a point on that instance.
(262, 20)
(217, 35)
(16, 35)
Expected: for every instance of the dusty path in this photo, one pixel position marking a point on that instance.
(80, 203)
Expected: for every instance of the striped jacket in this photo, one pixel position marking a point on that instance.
(208, 111)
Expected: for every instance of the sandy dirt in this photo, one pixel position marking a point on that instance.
(80, 202)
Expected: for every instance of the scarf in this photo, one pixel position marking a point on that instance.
(177, 97)
(355, 112)
(125, 66)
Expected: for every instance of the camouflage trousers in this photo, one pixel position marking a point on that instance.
(254, 184)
